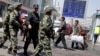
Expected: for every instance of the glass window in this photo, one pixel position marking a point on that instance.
(29, 2)
(2, 7)
(26, 2)
(19, 0)
(15, 0)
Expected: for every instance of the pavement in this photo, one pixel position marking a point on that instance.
(57, 51)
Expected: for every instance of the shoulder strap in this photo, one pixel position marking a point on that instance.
(7, 17)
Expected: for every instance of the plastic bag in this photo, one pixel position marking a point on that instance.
(76, 38)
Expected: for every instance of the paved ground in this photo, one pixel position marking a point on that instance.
(56, 51)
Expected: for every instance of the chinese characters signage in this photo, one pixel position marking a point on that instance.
(74, 8)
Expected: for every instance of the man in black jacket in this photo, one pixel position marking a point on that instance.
(33, 26)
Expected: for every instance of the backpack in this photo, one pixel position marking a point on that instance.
(69, 29)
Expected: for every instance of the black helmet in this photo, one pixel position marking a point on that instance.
(36, 6)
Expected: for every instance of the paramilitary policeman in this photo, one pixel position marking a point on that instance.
(45, 33)
(6, 34)
(14, 26)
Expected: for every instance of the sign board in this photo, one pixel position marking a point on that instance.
(74, 8)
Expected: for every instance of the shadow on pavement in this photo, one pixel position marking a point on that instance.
(31, 53)
(21, 54)
(4, 47)
(42, 54)
(19, 47)
(71, 49)
(66, 49)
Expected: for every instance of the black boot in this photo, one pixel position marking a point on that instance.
(14, 52)
(65, 48)
(25, 53)
(9, 50)
(1, 45)
(55, 45)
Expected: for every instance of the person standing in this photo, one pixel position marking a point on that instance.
(45, 33)
(33, 27)
(6, 34)
(96, 29)
(14, 26)
(62, 32)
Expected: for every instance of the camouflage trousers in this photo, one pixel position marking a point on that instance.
(43, 44)
(13, 39)
(6, 36)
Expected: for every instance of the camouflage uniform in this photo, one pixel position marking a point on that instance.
(14, 26)
(6, 33)
(45, 32)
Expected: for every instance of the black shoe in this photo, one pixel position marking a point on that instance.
(1, 45)
(72, 47)
(9, 50)
(65, 48)
(25, 53)
(83, 48)
(55, 45)
(14, 52)
(37, 55)
(76, 47)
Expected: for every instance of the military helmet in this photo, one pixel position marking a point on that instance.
(17, 4)
(11, 7)
(48, 8)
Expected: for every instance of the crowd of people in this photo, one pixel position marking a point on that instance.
(37, 30)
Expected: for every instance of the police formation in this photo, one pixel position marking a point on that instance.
(43, 31)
